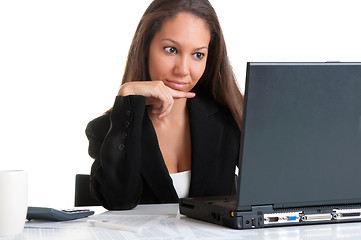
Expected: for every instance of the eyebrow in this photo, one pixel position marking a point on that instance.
(177, 43)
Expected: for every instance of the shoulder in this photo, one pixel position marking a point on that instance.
(205, 105)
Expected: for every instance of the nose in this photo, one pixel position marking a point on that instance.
(182, 66)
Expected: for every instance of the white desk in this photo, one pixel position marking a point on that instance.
(164, 222)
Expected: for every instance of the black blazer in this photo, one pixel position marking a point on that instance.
(129, 167)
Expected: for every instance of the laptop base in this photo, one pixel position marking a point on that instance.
(222, 211)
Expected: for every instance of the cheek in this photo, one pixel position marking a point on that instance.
(197, 71)
(158, 67)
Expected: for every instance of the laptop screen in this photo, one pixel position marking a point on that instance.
(301, 138)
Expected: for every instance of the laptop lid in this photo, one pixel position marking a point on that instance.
(301, 137)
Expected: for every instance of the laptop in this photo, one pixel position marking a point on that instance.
(300, 153)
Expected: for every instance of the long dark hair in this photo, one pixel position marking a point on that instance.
(218, 78)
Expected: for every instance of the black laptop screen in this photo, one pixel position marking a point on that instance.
(301, 139)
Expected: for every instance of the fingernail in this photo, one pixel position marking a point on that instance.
(161, 116)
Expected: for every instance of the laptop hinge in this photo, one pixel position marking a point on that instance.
(258, 210)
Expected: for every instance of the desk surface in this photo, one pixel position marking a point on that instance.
(164, 222)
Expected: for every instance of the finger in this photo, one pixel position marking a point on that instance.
(166, 107)
(153, 102)
(161, 103)
(167, 101)
(179, 94)
(165, 113)
(156, 111)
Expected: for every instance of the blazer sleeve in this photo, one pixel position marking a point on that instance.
(114, 143)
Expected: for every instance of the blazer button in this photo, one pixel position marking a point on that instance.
(124, 135)
(121, 147)
(128, 112)
(127, 124)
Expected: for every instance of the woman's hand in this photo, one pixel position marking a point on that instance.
(158, 96)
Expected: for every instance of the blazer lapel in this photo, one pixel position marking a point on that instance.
(154, 169)
(206, 135)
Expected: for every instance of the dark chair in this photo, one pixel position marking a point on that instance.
(82, 192)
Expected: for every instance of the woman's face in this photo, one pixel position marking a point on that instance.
(178, 52)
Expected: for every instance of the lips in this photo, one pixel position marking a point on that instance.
(176, 85)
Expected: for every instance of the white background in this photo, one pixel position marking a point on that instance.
(61, 64)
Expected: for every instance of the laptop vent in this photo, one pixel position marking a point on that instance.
(316, 208)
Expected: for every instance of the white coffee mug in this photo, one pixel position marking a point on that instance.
(13, 202)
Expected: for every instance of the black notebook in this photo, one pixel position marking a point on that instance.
(300, 153)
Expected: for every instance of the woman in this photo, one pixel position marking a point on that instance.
(174, 128)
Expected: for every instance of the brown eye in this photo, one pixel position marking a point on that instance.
(198, 55)
(171, 50)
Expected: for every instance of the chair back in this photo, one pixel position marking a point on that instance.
(82, 192)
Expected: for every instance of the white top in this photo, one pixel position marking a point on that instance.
(181, 183)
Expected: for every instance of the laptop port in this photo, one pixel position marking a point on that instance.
(215, 216)
(186, 204)
(316, 217)
(253, 222)
(274, 218)
(346, 214)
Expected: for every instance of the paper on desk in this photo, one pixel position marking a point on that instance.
(166, 227)
(151, 225)
(172, 227)
(130, 220)
(75, 224)
(195, 229)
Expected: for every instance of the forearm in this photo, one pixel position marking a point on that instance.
(115, 175)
